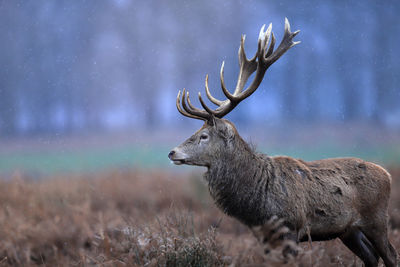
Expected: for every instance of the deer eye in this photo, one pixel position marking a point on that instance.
(203, 137)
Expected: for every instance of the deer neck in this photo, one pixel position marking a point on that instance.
(237, 182)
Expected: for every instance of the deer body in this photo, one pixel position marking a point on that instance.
(344, 198)
(325, 196)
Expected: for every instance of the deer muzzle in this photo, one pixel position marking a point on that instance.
(177, 157)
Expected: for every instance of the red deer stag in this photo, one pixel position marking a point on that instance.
(344, 198)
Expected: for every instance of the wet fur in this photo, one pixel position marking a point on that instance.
(325, 199)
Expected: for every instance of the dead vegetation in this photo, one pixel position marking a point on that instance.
(133, 218)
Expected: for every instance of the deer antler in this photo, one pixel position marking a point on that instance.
(264, 57)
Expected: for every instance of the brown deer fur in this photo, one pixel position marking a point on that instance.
(344, 198)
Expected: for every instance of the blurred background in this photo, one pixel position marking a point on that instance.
(91, 85)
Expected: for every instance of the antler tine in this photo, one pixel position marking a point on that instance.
(271, 46)
(192, 107)
(205, 106)
(183, 102)
(242, 52)
(195, 111)
(212, 99)
(184, 113)
(226, 92)
(201, 114)
(266, 37)
(285, 45)
(263, 40)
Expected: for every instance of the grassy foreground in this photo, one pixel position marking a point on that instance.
(141, 218)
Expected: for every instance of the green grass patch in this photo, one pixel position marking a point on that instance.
(84, 159)
(145, 156)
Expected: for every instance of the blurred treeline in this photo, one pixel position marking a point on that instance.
(72, 66)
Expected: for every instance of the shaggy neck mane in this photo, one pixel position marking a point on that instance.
(238, 182)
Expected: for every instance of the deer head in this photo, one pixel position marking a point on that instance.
(217, 135)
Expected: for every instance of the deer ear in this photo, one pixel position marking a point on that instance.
(225, 130)
(230, 132)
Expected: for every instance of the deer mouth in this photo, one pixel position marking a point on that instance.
(178, 161)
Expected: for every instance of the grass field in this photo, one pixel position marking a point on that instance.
(141, 218)
(63, 205)
(83, 160)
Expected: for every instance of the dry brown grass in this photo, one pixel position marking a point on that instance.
(133, 218)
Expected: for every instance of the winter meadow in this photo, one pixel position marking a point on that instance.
(88, 118)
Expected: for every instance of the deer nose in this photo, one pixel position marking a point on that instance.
(171, 154)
